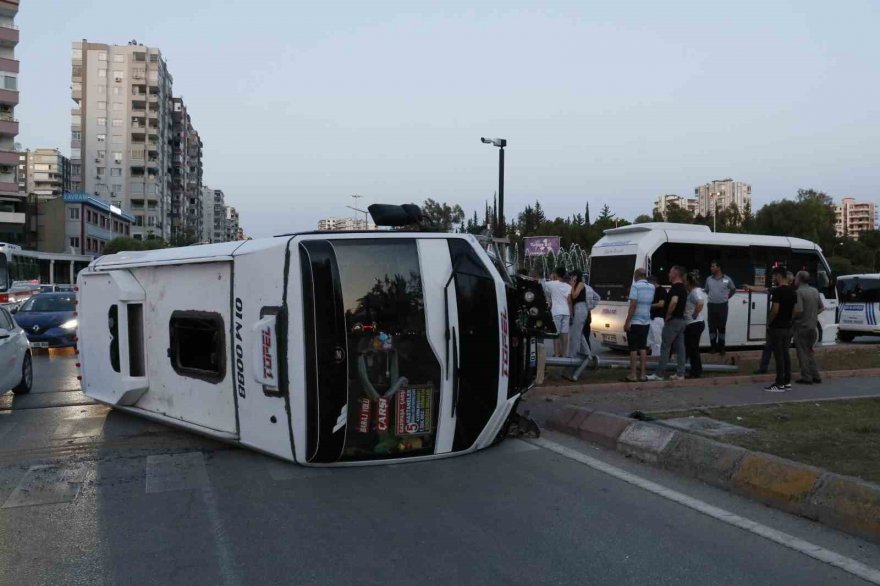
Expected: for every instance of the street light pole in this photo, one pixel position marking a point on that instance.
(499, 213)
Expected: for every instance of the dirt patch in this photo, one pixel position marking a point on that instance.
(841, 436)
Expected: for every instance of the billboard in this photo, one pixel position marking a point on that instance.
(539, 245)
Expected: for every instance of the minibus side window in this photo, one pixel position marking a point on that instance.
(198, 345)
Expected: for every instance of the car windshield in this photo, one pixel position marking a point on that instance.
(47, 303)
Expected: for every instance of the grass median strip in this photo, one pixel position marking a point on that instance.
(841, 436)
(849, 359)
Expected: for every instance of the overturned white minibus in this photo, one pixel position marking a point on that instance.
(319, 348)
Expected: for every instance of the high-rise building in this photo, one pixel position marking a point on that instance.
(664, 202)
(855, 217)
(219, 222)
(337, 224)
(121, 130)
(232, 227)
(186, 208)
(721, 194)
(206, 201)
(12, 203)
(44, 173)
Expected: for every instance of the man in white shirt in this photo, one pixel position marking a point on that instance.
(557, 291)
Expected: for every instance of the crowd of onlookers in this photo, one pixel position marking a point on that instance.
(667, 322)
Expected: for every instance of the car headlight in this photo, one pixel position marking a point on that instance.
(69, 325)
(529, 296)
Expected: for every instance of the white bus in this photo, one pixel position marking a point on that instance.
(859, 308)
(746, 258)
(23, 271)
(318, 348)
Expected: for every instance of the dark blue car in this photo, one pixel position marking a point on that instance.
(48, 319)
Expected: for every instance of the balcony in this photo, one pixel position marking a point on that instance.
(11, 217)
(9, 158)
(8, 126)
(9, 188)
(8, 97)
(8, 35)
(9, 65)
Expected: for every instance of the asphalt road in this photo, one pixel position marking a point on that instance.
(93, 496)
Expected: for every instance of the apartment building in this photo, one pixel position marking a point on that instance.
(854, 217)
(219, 216)
(206, 201)
(44, 173)
(721, 194)
(187, 214)
(337, 224)
(664, 202)
(232, 227)
(79, 223)
(12, 202)
(121, 148)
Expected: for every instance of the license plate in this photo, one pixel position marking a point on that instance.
(39, 344)
(609, 338)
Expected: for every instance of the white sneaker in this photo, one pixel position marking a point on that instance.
(653, 377)
(675, 377)
(775, 389)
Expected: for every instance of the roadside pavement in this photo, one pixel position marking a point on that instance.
(542, 402)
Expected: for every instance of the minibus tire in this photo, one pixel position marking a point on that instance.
(845, 336)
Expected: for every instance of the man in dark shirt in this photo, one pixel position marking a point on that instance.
(673, 330)
(782, 300)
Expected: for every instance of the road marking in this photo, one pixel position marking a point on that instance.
(790, 541)
(169, 472)
(46, 485)
(187, 471)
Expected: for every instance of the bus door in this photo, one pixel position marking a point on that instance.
(757, 316)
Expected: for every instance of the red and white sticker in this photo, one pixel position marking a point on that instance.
(382, 414)
(364, 411)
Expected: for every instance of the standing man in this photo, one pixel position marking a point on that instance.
(655, 334)
(638, 321)
(782, 299)
(558, 292)
(719, 289)
(673, 329)
(806, 315)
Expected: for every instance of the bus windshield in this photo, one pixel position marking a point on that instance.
(611, 276)
(373, 381)
(859, 290)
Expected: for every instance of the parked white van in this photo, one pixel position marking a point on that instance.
(745, 258)
(319, 348)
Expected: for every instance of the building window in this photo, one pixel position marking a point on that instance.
(73, 213)
(102, 73)
(117, 106)
(74, 242)
(102, 105)
(117, 91)
(117, 188)
(101, 137)
(102, 89)
(102, 55)
(101, 154)
(100, 170)
(154, 58)
(117, 157)
(10, 82)
(75, 135)
(198, 345)
(138, 220)
(116, 139)
(116, 172)
(117, 76)
(151, 221)
(102, 121)
(117, 122)
(119, 58)
(140, 57)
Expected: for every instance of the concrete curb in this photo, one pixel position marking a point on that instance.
(718, 381)
(847, 504)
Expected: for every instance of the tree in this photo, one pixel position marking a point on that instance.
(678, 215)
(643, 219)
(811, 216)
(444, 216)
(122, 244)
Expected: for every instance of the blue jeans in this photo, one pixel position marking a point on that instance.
(673, 340)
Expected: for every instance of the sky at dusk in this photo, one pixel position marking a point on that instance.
(301, 104)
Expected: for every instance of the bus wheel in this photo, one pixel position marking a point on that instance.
(845, 336)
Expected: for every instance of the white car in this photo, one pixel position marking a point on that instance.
(16, 366)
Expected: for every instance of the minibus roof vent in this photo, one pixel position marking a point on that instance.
(398, 216)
